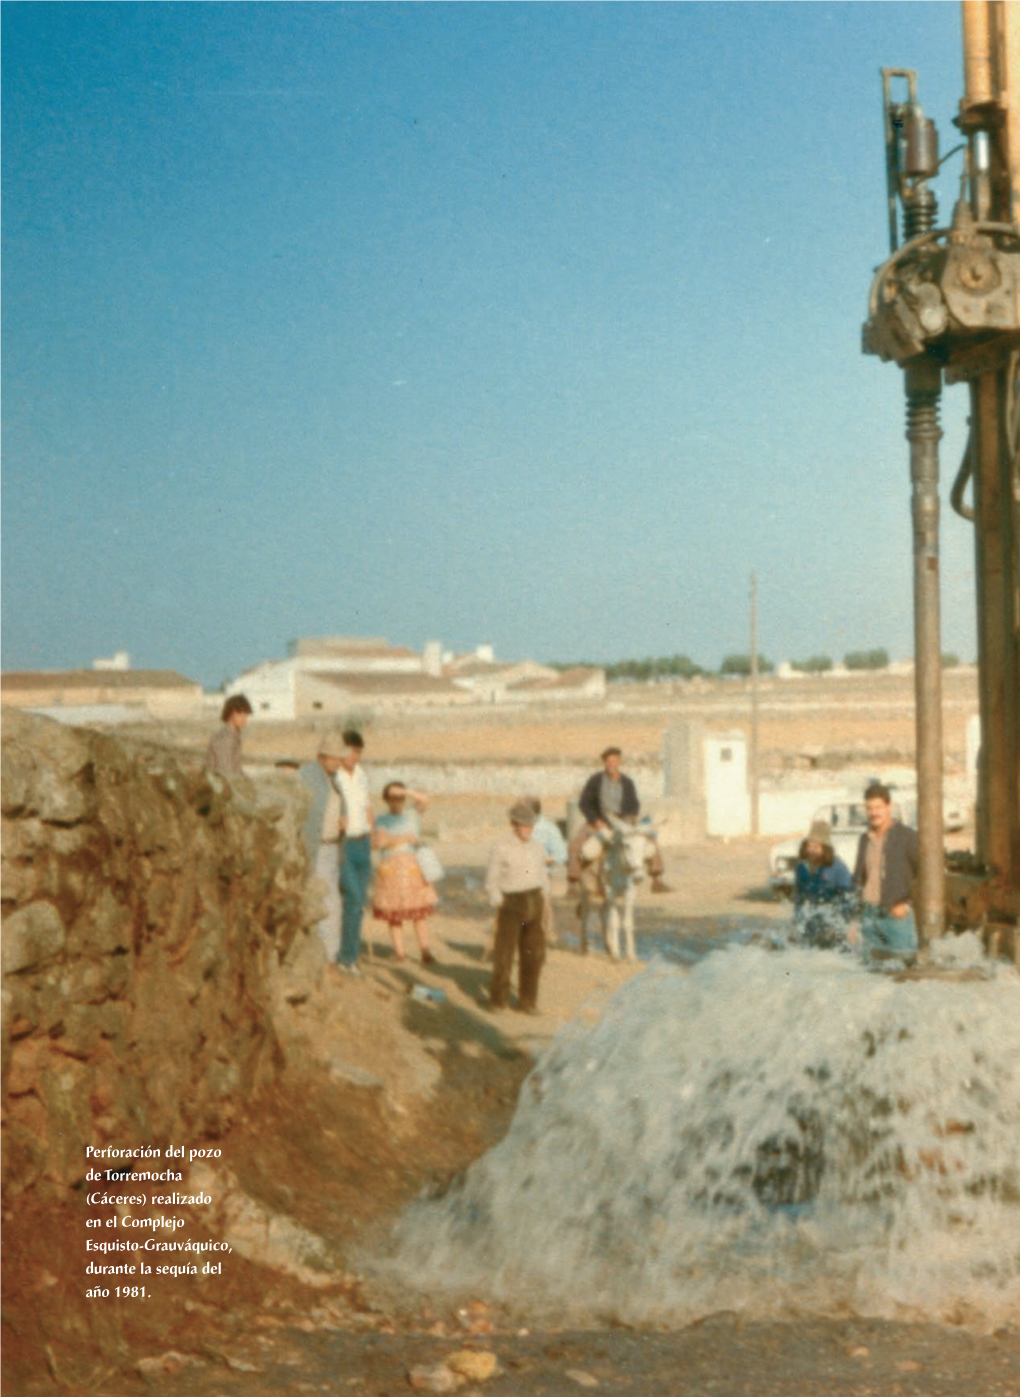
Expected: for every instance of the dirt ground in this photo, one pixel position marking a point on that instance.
(860, 717)
(401, 1095)
(384, 1095)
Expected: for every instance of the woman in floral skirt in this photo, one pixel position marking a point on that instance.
(401, 893)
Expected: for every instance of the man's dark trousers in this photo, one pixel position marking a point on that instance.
(518, 930)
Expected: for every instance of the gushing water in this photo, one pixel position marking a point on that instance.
(774, 1133)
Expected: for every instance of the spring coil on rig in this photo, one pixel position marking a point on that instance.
(920, 213)
(923, 417)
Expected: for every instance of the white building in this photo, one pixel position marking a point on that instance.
(578, 684)
(280, 688)
(341, 674)
(119, 662)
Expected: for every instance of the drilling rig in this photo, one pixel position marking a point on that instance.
(945, 307)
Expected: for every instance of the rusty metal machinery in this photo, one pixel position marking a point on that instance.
(945, 307)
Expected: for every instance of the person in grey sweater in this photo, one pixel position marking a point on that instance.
(323, 831)
(223, 753)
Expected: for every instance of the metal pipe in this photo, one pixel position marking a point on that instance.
(981, 174)
(755, 782)
(1007, 27)
(997, 557)
(977, 52)
(923, 387)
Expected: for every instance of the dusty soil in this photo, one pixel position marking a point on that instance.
(401, 1096)
(864, 716)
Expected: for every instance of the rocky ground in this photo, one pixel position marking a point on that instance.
(385, 1094)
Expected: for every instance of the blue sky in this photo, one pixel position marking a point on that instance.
(530, 324)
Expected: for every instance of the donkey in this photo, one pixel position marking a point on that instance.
(614, 863)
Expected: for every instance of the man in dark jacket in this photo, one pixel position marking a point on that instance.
(609, 795)
(887, 864)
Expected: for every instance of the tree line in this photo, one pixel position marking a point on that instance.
(683, 667)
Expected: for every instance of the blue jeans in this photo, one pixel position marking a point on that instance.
(355, 875)
(885, 936)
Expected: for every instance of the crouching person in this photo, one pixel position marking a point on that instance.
(517, 886)
(823, 890)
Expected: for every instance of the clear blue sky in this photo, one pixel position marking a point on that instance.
(529, 324)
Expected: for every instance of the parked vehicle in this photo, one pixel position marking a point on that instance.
(847, 820)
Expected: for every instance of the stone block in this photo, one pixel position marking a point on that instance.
(39, 1002)
(24, 1150)
(48, 791)
(31, 936)
(63, 1092)
(17, 770)
(96, 981)
(82, 1026)
(30, 1062)
(106, 926)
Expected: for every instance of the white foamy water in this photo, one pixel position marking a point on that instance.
(771, 1132)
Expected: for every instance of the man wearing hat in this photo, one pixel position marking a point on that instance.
(517, 885)
(610, 795)
(822, 900)
(324, 835)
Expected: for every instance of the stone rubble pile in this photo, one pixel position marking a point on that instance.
(151, 911)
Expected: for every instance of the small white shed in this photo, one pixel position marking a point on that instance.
(727, 798)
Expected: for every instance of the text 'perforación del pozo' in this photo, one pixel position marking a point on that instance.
(136, 1178)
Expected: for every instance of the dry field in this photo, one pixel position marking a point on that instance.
(835, 720)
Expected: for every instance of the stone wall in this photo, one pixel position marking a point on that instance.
(147, 909)
(550, 779)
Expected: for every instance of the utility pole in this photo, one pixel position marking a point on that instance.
(754, 704)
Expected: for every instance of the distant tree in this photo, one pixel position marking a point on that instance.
(867, 659)
(817, 664)
(741, 664)
(678, 667)
(641, 671)
(949, 660)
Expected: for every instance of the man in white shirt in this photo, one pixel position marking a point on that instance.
(356, 863)
(517, 884)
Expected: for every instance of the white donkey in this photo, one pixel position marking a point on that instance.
(614, 863)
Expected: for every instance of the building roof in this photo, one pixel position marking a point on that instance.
(370, 647)
(574, 678)
(466, 665)
(96, 679)
(385, 683)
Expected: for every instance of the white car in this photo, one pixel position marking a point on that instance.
(848, 820)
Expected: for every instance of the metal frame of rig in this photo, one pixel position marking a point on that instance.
(945, 306)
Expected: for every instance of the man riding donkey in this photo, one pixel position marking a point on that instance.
(609, 798)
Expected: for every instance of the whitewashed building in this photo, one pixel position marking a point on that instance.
(335, 675)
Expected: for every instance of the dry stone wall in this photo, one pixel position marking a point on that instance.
(149, 908)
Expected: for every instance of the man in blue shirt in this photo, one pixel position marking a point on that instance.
(547, 833)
